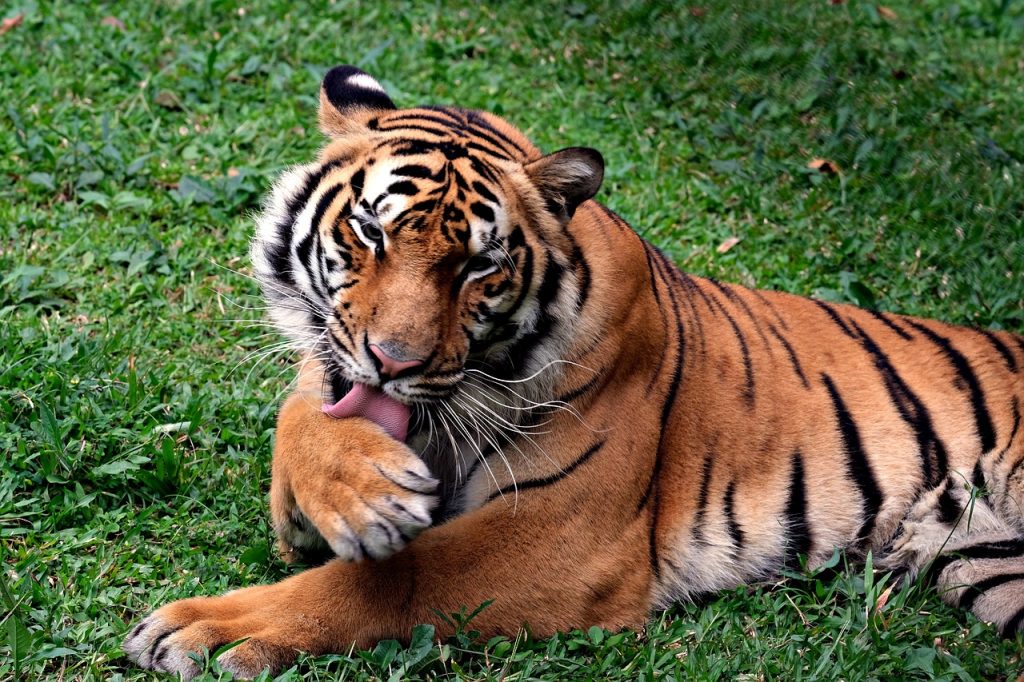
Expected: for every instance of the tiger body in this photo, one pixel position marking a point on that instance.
(595, 433)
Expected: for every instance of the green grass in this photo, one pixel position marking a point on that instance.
(135, 429)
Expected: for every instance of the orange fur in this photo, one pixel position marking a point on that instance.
(715, 434)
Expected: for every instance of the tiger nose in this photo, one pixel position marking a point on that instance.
(392, 367)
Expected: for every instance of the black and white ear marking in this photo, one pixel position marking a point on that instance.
(348, 98)
(347, 86)
(567, 178)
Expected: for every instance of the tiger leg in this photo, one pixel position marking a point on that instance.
(974, 556)
(343, 487)
(552, 565)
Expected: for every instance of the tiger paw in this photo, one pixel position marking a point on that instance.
(357, 491)
(176, 638)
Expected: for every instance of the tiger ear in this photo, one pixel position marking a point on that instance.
(567, 178)
(349, 97)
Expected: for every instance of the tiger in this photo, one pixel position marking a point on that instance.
(507, 397)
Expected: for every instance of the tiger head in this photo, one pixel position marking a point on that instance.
(423, 242)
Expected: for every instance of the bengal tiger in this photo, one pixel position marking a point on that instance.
(508, 396)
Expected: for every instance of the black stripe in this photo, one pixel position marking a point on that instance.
(482, 211)
(1011, 626)
(481, 189)
(982, 419)
(884, 319)
(651, 491)
(856, 460)
(547, 292)
(356, 182)
(748, 365)
(835, 317)
(688, 291)
(1000, 549)
(949, 509)
(344, 248)
(157, 641)
(575, 393)
(504, 150)
(578, 259)
(1015, 406)
(438, 132)
(694, 287)
(791, 353)
(934, 460)
(738, 300)
(425, 206)
(479, 121)
(661, 311)
(705, 490)
(525, 280)
(474, 125)
(771, 306)
(309, 249)
(549, 480)
(673, 387)
(413, 170)
(677, 371)
(279, 254)
(319, 269)
(1001, 348)
(978, 476)
(403, 187)
(499, 153)
(348, 333)
(1019, 340)
(406, 146)
(302, 251)
(614, 217)
(416, 116)
(974, 591)
(326, 199)
(1014, 469)
(798, 532)
(483, 169)
(735, 532)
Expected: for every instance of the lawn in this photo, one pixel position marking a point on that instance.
(138, 388)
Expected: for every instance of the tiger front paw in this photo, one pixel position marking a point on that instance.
(178, 637)
(363, 495)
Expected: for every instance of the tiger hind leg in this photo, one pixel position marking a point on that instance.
(972, 553)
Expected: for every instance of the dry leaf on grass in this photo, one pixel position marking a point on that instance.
(11, 22)
(113, 21)
(725, 246)
(168, 100)
(887, 13)
(883, 598)
(824, 166)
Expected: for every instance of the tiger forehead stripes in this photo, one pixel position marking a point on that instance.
(507, 396)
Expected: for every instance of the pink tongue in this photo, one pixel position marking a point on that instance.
(371, 403)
